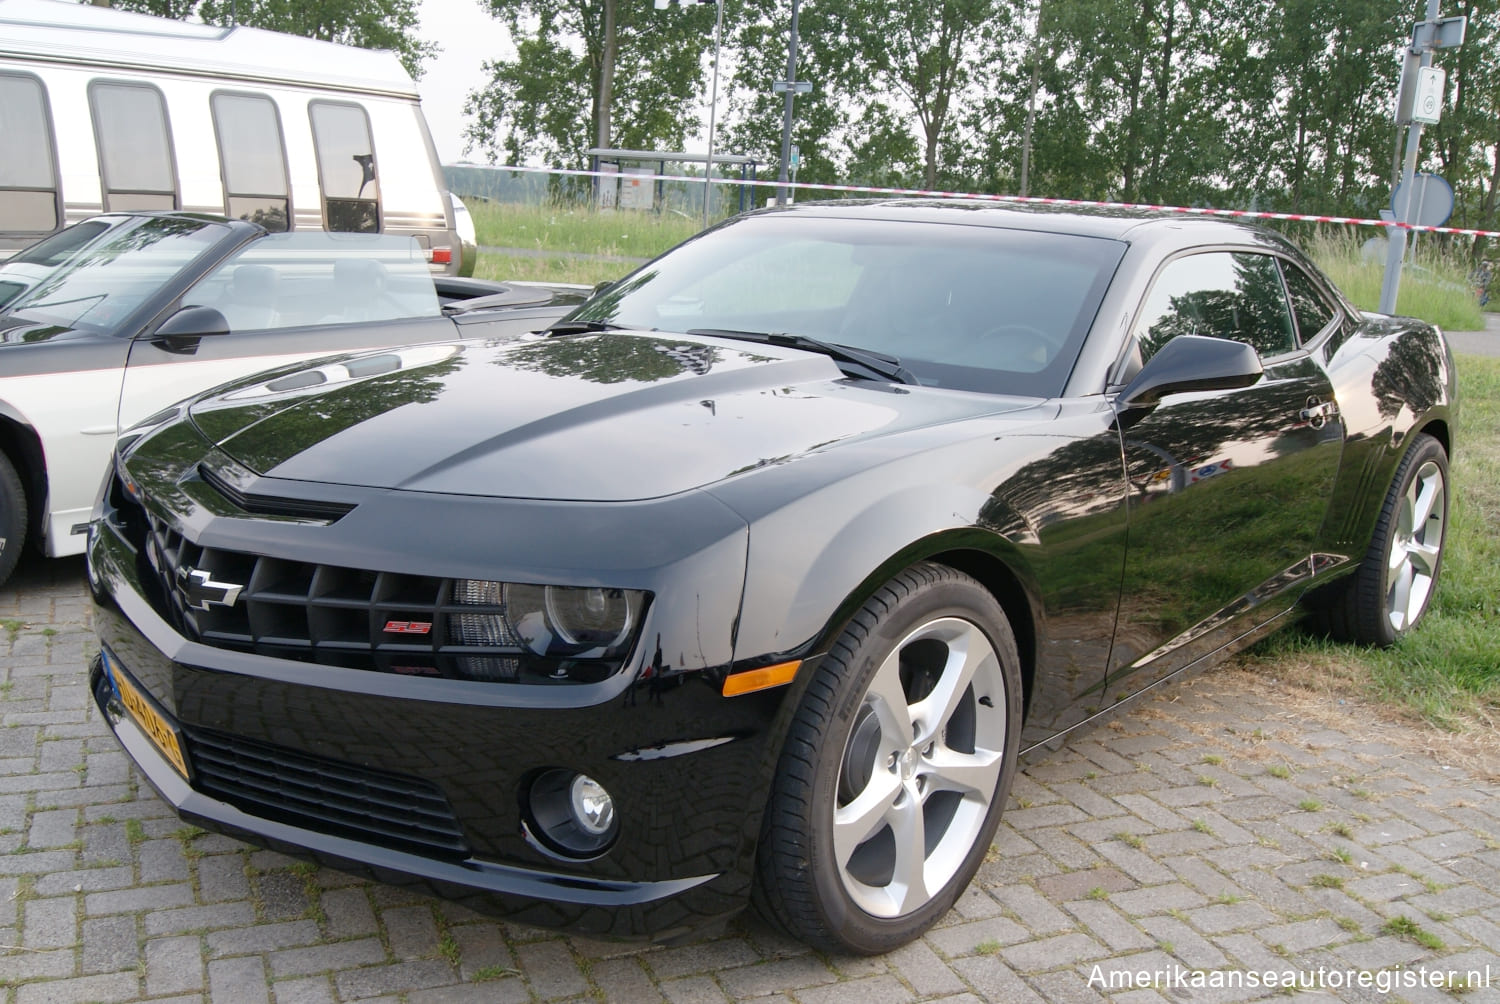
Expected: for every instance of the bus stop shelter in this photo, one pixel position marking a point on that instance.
(612, 193)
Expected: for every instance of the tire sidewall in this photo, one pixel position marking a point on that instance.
(1423, 449)
(961, 598)
(13, 518)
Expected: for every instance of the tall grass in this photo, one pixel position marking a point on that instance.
(619, 233)
(1434, 285)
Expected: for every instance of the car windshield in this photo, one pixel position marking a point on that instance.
(99, 287)
(309, 277)
(969, 307)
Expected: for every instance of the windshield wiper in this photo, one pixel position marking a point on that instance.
(582, 327)
(880, 363)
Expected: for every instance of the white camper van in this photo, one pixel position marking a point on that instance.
(107, 110)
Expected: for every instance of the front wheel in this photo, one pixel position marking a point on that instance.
(12, 518)
(896, 767)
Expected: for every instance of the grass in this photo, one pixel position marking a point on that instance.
(1405, 927)
(1436, 289)
(571, 231)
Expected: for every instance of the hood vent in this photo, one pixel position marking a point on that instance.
(274, 505)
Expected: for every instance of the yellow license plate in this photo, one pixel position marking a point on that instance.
(151, 721)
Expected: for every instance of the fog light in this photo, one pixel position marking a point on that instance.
(593, 809)
(571, 813)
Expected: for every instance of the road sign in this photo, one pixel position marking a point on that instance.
(1431, 200)
(1445, 33)
(799, 86)
(1427, 102)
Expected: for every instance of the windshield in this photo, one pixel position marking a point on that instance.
(292, 280)
(102, 285)
(962, 306)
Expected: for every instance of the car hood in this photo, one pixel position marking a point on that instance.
(19, 331)
(610, 417)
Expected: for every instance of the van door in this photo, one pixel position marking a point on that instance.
(283, 299)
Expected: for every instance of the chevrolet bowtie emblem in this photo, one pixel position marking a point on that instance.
(201, 591)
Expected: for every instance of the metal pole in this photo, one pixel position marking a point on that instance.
(713, 107)
(1390, 286)
(786, 123)
(1036, 65)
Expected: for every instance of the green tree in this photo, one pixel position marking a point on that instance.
(367, 24)
(591, 73)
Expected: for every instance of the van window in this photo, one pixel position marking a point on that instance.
(135, 146)
(253, 159)
(28, 178)
(346, 167)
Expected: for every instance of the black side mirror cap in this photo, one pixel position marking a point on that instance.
(194, 322)
(1190, 363)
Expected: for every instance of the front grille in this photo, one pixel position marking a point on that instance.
(323, 794)
(334, 616)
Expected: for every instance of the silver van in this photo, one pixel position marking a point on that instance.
(105, 110)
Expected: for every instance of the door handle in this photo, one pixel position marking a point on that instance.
(1318, 412)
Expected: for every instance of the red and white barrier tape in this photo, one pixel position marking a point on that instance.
(1244, 214)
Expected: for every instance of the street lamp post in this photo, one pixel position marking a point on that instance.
(786, 123)
(713, 101)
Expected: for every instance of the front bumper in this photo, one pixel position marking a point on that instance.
(660, 910)
(685, 766)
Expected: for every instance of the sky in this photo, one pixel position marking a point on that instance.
(468, 36)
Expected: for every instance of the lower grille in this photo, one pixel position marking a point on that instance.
(330, 796)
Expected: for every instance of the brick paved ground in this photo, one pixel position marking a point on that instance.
(1208, 830)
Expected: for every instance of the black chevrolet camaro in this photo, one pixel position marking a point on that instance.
(754, 576)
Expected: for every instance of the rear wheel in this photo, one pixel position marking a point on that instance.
(13, 516)
(1393, 587)
(896, 767)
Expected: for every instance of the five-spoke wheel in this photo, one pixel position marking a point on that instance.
(896, 766)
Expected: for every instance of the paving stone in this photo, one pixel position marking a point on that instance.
(994, 980)
(1049, 953)
(373, 981)
(173, 965)
(965, 939)
(869, 990)
(106, 988)
(551, 969)
(238, 981)
(51, 923)
(326, 957)
(713, 955)
(109, 945)
(1033, 909)
(775, 976)
(624, 981)
(410, 931)
(1109, 926)
(200, 918)
(921, 967)
(1076, 885)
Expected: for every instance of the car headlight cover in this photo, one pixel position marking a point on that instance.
(573, 622)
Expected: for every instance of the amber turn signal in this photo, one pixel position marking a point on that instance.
(764, 678)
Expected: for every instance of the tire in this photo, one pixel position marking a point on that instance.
(1389, 594)
(870, 835)
(13, 516)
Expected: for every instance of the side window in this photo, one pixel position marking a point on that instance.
(135, 146)
(28, 174)
(253, 159)
(346, 167)
(1308, 305)
(1223, 295)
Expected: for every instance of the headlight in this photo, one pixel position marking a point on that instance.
(560, 622)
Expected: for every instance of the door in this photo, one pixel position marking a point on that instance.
(1228, 489)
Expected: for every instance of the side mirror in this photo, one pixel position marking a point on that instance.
(1191, 363)
(180, 332)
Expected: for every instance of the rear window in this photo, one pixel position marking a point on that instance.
(28, 174)
(969, 307)
(135, 146)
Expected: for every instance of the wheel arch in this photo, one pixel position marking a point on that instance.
(21, 444)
